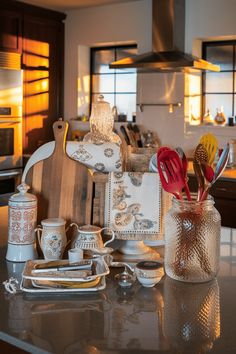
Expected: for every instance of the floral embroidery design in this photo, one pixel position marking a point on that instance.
(119, 196)
(118, 164)
(136, 178)
(29, 215)
(129, 212)
(99, 166)
(108, 152)
(81, 154)
(15, 215)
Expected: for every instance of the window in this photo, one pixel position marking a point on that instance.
(219, 89)
(118, 86)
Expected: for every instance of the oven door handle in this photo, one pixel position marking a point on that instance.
(9, 174)
(13, 121)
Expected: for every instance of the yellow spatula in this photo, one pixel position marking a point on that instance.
(210, 143)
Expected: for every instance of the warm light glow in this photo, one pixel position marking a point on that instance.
(83, 83)
(12, 95)
(170, 86)
(171, 108)
(38, 55)
(36, 89)
(193, 98)
(194, 84)
(45, 85)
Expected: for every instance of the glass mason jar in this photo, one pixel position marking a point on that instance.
(192, 240)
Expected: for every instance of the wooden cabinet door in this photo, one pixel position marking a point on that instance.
(43, 64)
(224, 194)
(10, 31)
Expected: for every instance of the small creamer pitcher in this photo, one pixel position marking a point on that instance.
(89, 237)
(52, 238)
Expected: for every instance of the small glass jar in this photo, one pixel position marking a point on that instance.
(192, 240)
(101, 124)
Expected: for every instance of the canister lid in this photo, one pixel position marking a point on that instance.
(89, 228)
(23, 196)
(53, 222)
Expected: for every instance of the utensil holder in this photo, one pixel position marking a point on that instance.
(192, 236)
(139, 158)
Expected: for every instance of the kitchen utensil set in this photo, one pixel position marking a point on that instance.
(172, 166)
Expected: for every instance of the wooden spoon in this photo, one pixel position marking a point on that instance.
(200, 156)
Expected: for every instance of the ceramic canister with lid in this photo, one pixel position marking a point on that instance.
(22, 216)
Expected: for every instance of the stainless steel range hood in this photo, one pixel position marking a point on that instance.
(168, 37)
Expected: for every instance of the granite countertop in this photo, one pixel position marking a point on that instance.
(172, 317)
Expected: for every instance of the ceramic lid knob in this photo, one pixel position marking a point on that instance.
(23, 196)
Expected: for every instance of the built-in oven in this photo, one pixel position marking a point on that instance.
(9, 180)
(10, 140)
(11, 159)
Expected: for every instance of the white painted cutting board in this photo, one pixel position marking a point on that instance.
(104, 157)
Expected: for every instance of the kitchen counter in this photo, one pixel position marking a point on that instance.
(228, 174)
(172, 317)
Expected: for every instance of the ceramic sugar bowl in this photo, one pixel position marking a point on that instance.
(149, 273)
(89, 237)
(22, 215)
(52, 238)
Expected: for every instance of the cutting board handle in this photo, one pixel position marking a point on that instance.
(60, 129)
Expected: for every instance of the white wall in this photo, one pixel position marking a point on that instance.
(120, 23)
(209, 19)
(130, 23)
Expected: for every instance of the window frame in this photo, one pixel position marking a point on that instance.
(108, 47)
(205, 45)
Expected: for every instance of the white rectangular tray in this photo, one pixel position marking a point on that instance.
(102, 269)
(27, 286)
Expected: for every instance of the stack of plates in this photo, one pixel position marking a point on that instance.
(63, 281)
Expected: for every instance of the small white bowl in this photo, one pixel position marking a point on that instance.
(149, 273)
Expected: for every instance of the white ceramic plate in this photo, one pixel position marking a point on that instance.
(28, 287)
(102, 269)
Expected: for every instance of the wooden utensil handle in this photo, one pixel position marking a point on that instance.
(60, 129)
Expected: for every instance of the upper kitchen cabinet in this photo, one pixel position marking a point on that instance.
(10, 31)
(43, 67)
(38, 35)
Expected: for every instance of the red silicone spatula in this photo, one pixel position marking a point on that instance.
(170, 169)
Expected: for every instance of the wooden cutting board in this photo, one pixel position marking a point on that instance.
(63, 186)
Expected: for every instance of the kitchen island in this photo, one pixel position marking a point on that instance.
(172, 317)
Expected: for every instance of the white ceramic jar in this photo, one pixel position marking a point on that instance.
(52, 239)
(22, 216)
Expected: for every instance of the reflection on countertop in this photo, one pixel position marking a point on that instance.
(173, 317)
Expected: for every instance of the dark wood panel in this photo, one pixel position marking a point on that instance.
(38, 34)
(10, 349)
(10, 31)
(23, 8)
(224, 194)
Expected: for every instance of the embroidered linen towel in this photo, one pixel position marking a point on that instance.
(103, 157)
(133, 205)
